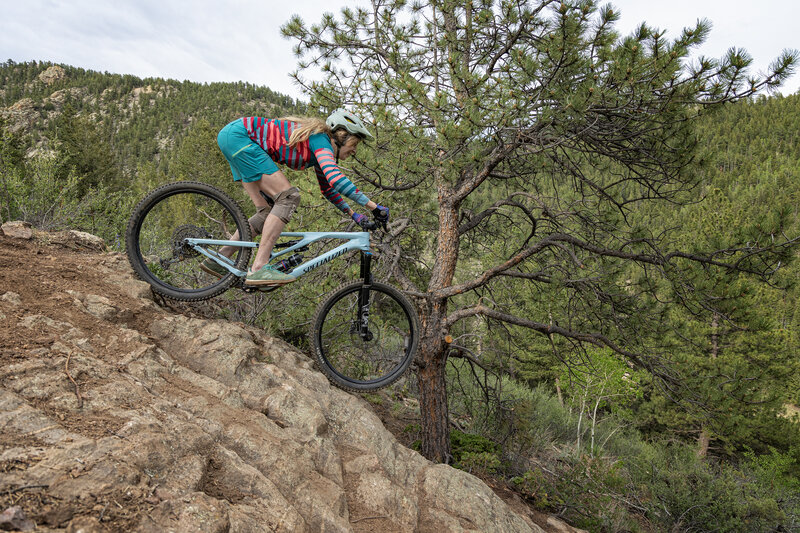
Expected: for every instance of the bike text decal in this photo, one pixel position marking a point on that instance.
(331, 257)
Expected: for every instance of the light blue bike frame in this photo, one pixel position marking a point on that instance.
(355, 241)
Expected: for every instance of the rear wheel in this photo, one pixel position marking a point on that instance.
(158, 229)
(359, 358)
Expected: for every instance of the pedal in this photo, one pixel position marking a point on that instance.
(268, 288)
(249, 289)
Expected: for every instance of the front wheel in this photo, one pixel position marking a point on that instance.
(365, 347)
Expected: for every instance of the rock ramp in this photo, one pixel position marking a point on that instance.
(119, 415)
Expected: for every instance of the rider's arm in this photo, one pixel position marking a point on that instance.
(331, 173)
(331, 194)
(334, 197)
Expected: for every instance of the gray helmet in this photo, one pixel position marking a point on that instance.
(344, 119)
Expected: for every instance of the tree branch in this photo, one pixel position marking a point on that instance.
(557, 239)
(596, 339)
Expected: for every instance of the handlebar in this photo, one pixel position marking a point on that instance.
(370, 225)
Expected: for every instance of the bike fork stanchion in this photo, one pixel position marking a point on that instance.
(363, 297)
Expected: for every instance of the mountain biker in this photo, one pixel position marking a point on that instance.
(253, 146)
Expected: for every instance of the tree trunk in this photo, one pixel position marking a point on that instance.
(704, 440)
(432, 363)
(558, 393)
(715, 336)
(433, 348)
(433, 401)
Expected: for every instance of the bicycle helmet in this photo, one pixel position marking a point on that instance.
(344, 119)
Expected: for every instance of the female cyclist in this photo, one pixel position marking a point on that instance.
(253, 146)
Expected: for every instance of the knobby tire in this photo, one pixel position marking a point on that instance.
(393, 320)
(166, 221)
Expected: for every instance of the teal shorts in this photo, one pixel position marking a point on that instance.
(247, 159)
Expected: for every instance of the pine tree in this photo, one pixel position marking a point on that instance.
(85, 151)
(529, 131)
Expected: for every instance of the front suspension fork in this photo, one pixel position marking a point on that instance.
(362, 318)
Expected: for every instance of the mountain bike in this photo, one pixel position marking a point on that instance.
(364, 334)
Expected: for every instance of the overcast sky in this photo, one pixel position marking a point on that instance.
(240, 40)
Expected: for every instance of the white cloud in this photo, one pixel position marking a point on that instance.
(239, 40)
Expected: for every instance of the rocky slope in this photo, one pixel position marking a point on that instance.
(118, 415)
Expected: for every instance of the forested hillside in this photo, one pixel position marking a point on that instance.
(139, 119)
(591, 436)
(95, 141)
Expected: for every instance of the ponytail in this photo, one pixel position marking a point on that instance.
(306, 127)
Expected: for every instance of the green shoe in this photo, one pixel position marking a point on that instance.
(268, 275)
(212, 267)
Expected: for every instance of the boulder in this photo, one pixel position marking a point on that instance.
(119, 415)
(17, 229)
(78, 240)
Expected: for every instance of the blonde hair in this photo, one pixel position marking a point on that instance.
(306, 127)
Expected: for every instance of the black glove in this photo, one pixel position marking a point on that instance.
(381, 215)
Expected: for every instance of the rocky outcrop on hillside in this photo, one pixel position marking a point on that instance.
(52, 74)
(21, 115)
(118, 415)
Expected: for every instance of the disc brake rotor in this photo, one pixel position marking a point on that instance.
(180, 248)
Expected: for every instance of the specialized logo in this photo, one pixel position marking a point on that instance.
(321, 262)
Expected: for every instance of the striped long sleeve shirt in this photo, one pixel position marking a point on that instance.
(273, 136)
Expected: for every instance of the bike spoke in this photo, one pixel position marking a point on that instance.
(371, 358)
(163, 232)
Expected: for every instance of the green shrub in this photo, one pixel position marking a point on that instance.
(534, 486)
(49, 199)
(474, 453)
(373, 398)
(470, 443)
(777, 475)
(483, 463)
(592, 493)
(624, 483)
(686, 493)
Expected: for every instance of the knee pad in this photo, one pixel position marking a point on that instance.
(286, 203)
(257, 221)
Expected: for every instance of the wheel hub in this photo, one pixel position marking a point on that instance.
(180, 248)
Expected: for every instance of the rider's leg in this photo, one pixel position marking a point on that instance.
(286, 203)
(273, 227)
(228, 251)
(268, 183)
(258, 174)
(286, 199)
